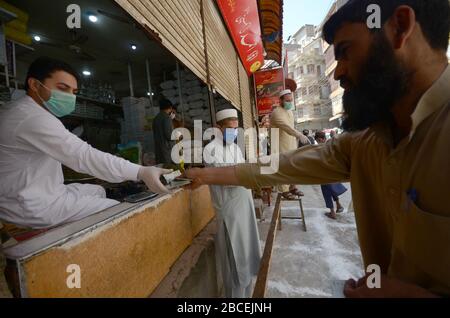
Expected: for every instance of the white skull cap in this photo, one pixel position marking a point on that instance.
(226, 113)
(285, 92)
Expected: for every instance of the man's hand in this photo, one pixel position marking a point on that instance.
(390, 288)
(303, 139)
(151, 175)
(196, 176)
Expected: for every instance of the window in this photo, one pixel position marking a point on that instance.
(317, 111)
(301, 69)
(300, 113)
(319, 70)
(325, 92)
(310, 68)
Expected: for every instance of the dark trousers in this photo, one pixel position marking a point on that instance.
(332, 192)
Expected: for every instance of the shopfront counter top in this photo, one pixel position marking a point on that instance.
(124, 251)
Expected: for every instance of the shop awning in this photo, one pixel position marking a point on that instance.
(271, 17)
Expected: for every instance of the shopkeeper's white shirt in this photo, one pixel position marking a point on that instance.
(33, 145)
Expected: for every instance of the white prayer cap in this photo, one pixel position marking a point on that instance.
(285, 92)
(226, 113)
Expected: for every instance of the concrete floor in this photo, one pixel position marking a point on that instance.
(311, 264)
(317, 262)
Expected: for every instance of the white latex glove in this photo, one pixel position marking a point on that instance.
(151, 175)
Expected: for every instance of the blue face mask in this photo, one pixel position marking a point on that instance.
(60, 104)
(288, 105)
(230, 135)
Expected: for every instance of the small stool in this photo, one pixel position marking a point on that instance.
(267, 195)
(259, 209)
(301, 217)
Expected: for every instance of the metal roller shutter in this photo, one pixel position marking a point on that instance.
(247, 113)
(178, 24)
(222, 57)
(246, 101)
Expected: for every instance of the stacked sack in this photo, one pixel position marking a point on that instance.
(194, 96)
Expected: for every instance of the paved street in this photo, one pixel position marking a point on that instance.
(315, 263)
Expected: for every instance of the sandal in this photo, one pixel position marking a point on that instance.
(288, 196)
(331, 216)
(297, 192)
(340, 210)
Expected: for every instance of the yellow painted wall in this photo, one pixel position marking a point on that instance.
(128, 259)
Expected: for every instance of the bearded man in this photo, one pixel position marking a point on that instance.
(395, 151)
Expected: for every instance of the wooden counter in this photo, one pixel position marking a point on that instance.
(125, 251)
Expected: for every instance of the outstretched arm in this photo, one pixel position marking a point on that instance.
(277, 121)
(327, 163)
(213, 176)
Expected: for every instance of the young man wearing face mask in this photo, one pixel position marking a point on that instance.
(395, 151)
(237, 240)
(162, 133)
(34, 144)
(289, 138)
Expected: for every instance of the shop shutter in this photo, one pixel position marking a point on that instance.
(246, 101)
(247, 113)
(222, 57)
(178, 24)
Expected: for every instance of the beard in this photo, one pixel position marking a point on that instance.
(383, 80)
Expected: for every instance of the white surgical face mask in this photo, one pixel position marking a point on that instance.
(288, 105)
(230, 135)
(60, 104)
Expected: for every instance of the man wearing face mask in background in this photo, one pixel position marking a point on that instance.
(395, 151)
(237, 239)
(162, 133)
(33, 145)
(283, 118)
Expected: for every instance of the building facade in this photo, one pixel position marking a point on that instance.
(336, 91)
(307, 66)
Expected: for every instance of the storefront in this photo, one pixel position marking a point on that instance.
(130, 54)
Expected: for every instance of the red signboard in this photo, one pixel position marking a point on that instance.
(268, 85)
(242, 19)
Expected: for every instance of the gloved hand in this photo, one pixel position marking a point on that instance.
(151, 175)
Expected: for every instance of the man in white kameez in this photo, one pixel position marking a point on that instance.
(237, 241)
(34, 144)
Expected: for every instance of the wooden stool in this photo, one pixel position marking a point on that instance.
(259, 209)
(267, 195)
(302, 214)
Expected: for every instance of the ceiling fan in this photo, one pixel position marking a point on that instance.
(74, 45)
(114, 16)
